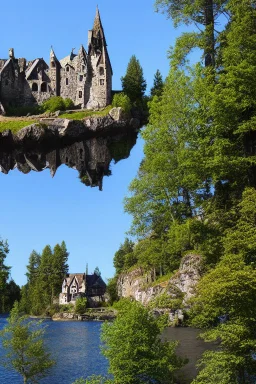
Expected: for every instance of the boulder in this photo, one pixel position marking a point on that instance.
(118, 114)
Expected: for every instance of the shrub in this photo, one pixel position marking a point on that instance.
(68, 103)
(24, 111)
(55, 103)
(80, 306)
(123, 101)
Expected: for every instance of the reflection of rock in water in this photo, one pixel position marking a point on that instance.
(91, 158)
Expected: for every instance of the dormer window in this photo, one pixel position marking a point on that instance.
(67, 69)
(101, 71)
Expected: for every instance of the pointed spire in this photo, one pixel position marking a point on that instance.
(52, 54)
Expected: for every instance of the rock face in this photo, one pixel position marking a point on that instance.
(139, 285)
(51, 131)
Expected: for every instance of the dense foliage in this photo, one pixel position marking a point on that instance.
(196, 186)
(45, 275)
(134, 349)
(23, 342)
(123, 101)
(9, 290)
(133, 83)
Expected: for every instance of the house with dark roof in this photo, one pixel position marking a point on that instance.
(76, 285)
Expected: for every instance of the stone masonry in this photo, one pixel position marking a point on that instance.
(86, 78)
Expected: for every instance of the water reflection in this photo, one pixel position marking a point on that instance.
(91, 158)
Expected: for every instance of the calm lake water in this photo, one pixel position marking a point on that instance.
(76, 348)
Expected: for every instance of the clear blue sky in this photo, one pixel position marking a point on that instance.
(37, 210)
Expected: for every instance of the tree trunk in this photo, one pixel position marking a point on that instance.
(209, 32)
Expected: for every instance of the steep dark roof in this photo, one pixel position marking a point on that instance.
(94, 280)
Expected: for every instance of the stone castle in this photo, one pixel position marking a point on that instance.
(86, 78)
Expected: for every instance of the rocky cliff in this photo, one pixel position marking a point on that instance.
(47, 132)
(141, 286)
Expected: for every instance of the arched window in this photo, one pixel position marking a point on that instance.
(67, 69)
(34, 87)
(43, 87)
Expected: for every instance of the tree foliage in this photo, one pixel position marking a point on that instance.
(23, 342)
(45, 274)
(134, 349)
(133, 83)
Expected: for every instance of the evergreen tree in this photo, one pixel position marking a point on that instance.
(119, 257)
(133, 83)
(158, 85)
(4, 274)
(33, 266)
(59, 267)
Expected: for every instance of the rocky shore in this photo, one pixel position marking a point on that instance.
(92, 314)
(51, 131)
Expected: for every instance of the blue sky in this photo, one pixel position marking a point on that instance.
(37, 210)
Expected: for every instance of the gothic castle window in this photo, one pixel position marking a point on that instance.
(80, 94)
(81, 77)
(101, 71)
(43, 87)
(102, 82)
(66, 81)
(34, 87)
(67, 69)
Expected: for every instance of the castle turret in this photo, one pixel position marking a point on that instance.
(100, 66)
(54, 73)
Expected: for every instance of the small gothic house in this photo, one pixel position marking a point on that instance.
(77, 285)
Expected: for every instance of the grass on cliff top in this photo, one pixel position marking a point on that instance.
(14, 125)
(17, 123)
(82, 114)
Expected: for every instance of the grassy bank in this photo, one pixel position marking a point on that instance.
(17, 123)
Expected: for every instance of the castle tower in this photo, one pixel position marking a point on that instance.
(99, 66)
(54, 73)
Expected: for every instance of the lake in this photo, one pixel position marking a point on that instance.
(76, 348)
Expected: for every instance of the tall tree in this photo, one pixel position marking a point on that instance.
(202, 13)
(59, 267)
(133, 83)
(119, 257)
(33, 266)
(4, 273)
(158, 85)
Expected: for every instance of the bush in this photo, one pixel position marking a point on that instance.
(123, 101)
(80, 306)
(55, 103)
(24, 111)
(68, 104)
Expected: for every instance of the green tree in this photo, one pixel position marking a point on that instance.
(94, 379)
(158, 85)
(97, 271)
(23, 342)
(4, 274)
(59, 267)
(81, 304)
(119, 257)
(33, 266)
(133, 83)
(227, 292)
(112, 290)
(134, 349)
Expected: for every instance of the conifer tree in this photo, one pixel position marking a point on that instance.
(133, 83)
(158, 85)
(4, 274)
